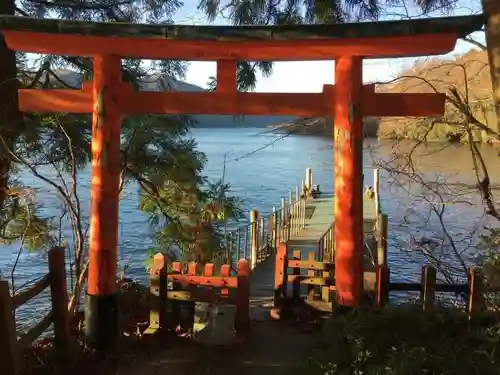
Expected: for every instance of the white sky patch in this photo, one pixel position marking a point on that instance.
(310, 76)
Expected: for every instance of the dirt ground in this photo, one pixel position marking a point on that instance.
(270, 348)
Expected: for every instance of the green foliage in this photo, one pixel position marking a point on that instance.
(404, 341)
(57, 144)
(149, 258)
(155, 149)
(185, 209)
(23, 222)
(489, 259)
(190, 221)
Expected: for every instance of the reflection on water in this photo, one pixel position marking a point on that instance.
(452, 161)
(262, 177)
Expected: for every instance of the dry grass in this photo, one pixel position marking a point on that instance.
(469, 74)
(135, 304)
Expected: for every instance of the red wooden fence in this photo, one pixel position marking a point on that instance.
(193, 283)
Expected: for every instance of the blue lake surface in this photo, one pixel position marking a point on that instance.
(262, 167)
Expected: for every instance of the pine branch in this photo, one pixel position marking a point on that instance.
(80, 5)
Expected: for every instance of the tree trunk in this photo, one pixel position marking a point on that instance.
(491, 9)
(10, 117)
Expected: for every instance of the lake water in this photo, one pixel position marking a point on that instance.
(262, 167)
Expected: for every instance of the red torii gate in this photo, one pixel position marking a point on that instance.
(108, 98)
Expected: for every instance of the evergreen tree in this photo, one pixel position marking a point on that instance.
(174, 168)
(157, 152)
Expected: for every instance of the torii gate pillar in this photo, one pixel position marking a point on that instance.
(101, 301)
(348, 164)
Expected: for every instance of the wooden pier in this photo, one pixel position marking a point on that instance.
(318, 225)
(250, 280)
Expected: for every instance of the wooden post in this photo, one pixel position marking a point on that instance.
(475, 300)
(232, 247)
(326, 255)
(428, 292)
(245, 247)
(226, 245)
(238, 243)
(290, 214)
(275, 229)
(242, 323)
(226, 76)
(280, 280)
(348, 149)
(186, 308)
(59, 300)
(321, 249)
(299, 210)
(9, 351)
(101, 304)
(262, 239)
(331, 246)
(189, 306)
(325, 290)
(376, 189)
(254, 238)
(175, 308)
(302, 213)
(158, 289)
(309, 183)
(225, 271)
(311, 288)
(296, 283)
(208, 270)
(383, 285)
(296, 211)
(382, 221)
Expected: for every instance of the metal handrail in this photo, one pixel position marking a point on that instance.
(279, 226)
(326, 245)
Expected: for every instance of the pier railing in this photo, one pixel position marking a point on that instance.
(326, 245)
(260, 238)
(188, 284)
(11, 347)
(473, 289)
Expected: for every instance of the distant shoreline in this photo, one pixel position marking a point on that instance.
(323, 127)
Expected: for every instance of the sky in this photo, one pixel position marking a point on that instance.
(312, 75)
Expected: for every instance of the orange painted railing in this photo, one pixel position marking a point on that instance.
(180, 283)
(473, 289)
(322, 289)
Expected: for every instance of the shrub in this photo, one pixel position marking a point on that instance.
(405, 341)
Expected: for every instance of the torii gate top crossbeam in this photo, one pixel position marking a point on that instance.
(244, 43)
